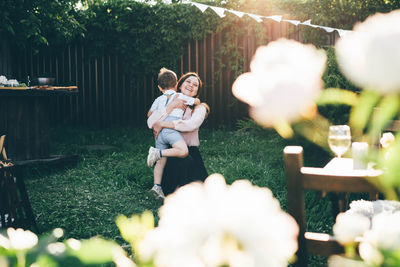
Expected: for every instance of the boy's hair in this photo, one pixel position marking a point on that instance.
(167, 78)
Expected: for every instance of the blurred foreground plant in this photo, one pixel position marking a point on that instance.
(22, 248)
(214, 224)
(208, 224)
(374, 229)
(285, 85)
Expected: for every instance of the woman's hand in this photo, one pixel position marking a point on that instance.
(157, 129)
(177, 103)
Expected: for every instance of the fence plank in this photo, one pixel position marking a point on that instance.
(108, 97)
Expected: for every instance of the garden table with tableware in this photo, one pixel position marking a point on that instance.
(25, 120)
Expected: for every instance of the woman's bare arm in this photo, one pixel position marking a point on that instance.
(189, 125)
(198, 116)
(159, 125)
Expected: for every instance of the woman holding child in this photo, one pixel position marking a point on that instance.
(181, 171)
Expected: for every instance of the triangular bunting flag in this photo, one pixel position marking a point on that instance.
(276, 18)
(219, 10)
(255, 17)
(294, 22)
(327, 29)
(237, 13)
(342, 33)
(307, 22)
(200, 6)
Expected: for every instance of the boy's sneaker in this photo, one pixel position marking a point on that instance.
(154, 155)
(157, 192)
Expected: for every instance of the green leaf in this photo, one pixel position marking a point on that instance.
(361, 113)
(390, 178)
(46, 260)
(95, 251)
(284, 129)
(133, 229)
(337, 96)
(383, 114)
(315, 130)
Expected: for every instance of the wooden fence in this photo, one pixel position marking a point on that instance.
(5, 59)
(108, 97)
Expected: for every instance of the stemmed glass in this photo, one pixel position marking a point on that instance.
(339, 139)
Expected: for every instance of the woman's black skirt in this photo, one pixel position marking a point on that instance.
(178, 171)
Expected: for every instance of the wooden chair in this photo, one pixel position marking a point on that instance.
(15, 208)
(299, 179)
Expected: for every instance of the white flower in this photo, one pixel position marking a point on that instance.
(74, 243)
(385, 231)
(362, 207)
(213, 224)
(390, 206)
(18, 239)
(349, 226)
(340, 261)
(284, 81)
(370, 254)
(387, 139)
(3, 79)
(56, 248)
(58, 232)
(120, 259)
(370, 55)
(383, 236)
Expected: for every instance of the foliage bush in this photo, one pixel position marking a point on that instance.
(341, 14)
(151, 36)
(38, 22)
(333, 78)
(148, 37)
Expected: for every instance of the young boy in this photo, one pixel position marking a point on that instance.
(167, 82)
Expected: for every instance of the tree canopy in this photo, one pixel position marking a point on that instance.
(333, 13)
(38, 22)
(150, 36)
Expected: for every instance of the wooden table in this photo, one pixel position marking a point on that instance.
(344, 166)
(24, 119)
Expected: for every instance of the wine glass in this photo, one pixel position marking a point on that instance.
(339, 139)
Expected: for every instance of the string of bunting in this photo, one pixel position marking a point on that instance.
(220, 11)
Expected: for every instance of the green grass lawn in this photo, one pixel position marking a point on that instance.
(113, 178)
